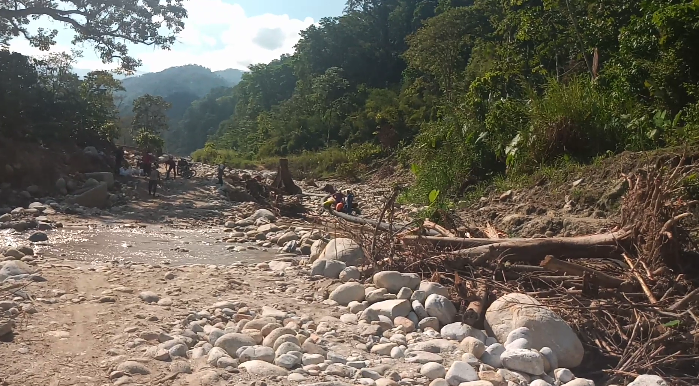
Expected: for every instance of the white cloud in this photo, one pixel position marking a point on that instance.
(217, 35)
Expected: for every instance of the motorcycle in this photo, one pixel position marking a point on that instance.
(187, 172)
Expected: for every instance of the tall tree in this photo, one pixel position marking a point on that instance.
(106, 25)
(150, 114)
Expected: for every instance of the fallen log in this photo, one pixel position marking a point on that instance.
(450, 242)
(550, 263)
(386, 227)
(602, 245)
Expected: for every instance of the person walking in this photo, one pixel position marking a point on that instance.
(221, 168)
(118, 160)
(170, 166)
(153, 180)
(147, 164)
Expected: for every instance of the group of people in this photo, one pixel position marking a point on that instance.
(149, 166)
(341, 202)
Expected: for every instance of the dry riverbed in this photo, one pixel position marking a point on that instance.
(186, 290)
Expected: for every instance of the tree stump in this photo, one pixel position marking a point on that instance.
(283, 180)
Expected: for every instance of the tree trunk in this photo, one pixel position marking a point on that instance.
(283, 180)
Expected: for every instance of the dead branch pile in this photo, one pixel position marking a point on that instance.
(631, 294)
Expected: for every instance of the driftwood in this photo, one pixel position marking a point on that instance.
(603, 245)
(550, 263)
(386, 227)
(450, 242)
(640, 279)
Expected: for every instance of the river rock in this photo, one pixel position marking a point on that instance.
(441, 308)
(648, 380)
(286, 237)
(263, 369)
(348, 292)
(491, 356)
(350, 273)
(472, 345)
(434, 346)
(327, 268)
(429, 288)
(547, 329)
(93, 198)
(420, 310)
(317, 249)
(13, 268)
(276, 334)
(284, 339)
(407, 324)
(564, 375)
(344, 250)
(149, 297)
(550, 359)
(393, 281)
(433, 370)
(526, 361)
(422, 357)
(133, 368)
(460, 372)
(38, 237)
(267, 228)
(286, 348)
(429, 322)
(456, 331)
(287, 361)
(259, 353)
(231, 342)
(391, 308)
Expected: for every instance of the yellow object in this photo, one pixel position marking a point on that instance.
(327, 204)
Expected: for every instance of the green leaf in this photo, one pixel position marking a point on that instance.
(672, 323)
(434, 194)
(415, 169)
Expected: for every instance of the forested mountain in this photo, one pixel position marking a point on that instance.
(464, 89)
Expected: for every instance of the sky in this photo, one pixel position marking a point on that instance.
(218, 34)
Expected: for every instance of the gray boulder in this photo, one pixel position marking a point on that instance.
(344, 250)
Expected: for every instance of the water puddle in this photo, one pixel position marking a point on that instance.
(150, 244)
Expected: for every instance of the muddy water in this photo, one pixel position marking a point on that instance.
(151, 244)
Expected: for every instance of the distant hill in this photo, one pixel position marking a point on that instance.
(178, 85)
(232, 75)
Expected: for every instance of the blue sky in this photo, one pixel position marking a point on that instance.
(219, 34)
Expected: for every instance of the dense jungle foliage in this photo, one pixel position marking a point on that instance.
(461, 90)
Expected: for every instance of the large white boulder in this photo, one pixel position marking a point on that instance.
(393, 281)
(348, 292)
(344, 250)
(546, 328)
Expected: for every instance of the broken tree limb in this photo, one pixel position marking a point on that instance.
(638, 276)
(603, 245)
(550, 263)
(685, 300)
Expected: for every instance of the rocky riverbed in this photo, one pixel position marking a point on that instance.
(188, 289)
